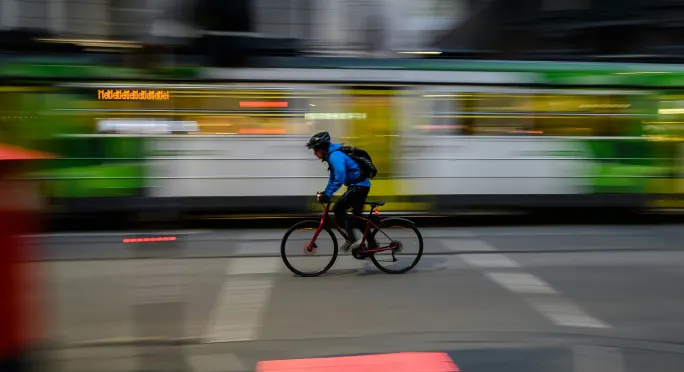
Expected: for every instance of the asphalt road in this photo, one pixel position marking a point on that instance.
(595, 298)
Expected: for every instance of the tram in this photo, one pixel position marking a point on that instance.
(445, 136)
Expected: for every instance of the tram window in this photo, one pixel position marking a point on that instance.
(246, 124)
(534, 114)
(497, 114)
(467, 105)
(477, 114)
(670, 117)
(584, 115)
(247, 111)
(442, 114)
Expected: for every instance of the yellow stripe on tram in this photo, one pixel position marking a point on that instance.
(376, 134)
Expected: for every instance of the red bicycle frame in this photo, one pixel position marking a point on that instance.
(368, 222)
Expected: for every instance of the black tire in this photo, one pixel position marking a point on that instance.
(387, 222)
(300, 225)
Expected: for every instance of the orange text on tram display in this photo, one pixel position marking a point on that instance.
(125, 94)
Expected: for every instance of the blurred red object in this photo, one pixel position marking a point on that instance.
(9, 152)
(398, 362)
(20, 285)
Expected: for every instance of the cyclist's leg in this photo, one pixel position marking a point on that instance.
(340, 209)
(355, 200)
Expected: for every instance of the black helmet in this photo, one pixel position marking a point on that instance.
(319, 140)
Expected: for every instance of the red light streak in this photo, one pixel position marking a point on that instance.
(150, 240)
(251, 104)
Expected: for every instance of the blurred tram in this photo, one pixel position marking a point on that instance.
(444, 137)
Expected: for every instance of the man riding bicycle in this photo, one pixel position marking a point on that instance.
(343, 170)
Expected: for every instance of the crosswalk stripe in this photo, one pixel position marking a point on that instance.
(490, 261)
(565, 313)
(521, 283)
(238, 312)
(541, 296)
(465, 245)
(242, 300)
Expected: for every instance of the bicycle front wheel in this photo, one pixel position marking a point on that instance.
(302, 258)
(407, 243)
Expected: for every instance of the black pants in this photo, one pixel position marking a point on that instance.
(353, 198)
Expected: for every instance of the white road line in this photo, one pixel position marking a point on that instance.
(242, 300)
(597, 359)
(346, 262)
(521, 283)
(564, 313)
(541, 296)
(490, 261)
(159, 281)
(238, 312)
(461, 245)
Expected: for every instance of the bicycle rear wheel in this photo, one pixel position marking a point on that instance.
(303, 261)
(408, 243)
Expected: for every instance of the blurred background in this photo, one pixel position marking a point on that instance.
(463, 104)
(151, 117)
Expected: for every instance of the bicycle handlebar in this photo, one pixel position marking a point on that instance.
(318, 194)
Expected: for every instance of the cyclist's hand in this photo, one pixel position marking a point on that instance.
(323, 198)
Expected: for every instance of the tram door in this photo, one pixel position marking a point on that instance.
(666, 133)
(375, 130)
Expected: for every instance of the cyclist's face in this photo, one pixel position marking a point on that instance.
(318, 153)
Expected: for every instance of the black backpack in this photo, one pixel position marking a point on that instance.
(363, 159)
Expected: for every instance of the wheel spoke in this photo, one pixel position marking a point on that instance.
(304, 257)
(406, 243)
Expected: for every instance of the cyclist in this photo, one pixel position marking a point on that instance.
(343, 170)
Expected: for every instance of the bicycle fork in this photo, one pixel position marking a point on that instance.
(311, 247)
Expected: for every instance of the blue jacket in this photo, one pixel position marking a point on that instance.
(343, 170)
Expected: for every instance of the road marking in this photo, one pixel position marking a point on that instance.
(490, 261)
(541, 296)
(346, 262)
(239, 309)
(242, 300)
(564, 313)
(461, 245)
(597, 359)
(521, 283)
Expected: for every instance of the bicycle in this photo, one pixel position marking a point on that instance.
(372, 222)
